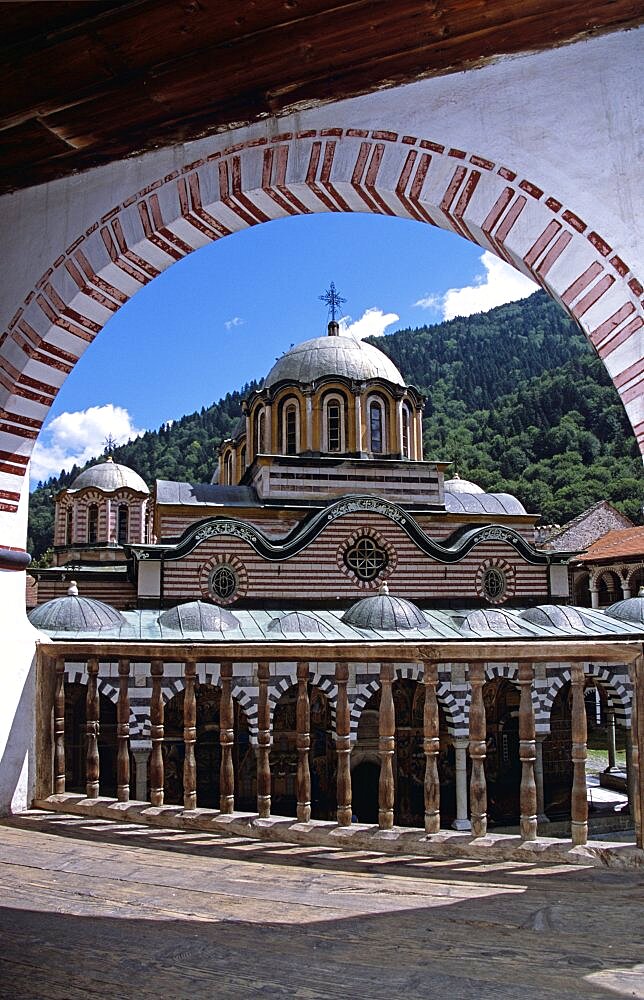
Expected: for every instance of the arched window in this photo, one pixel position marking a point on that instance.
(123, 524)
(260, 421)
(333, 431)
(228, 469)
(69, 526)
(242, 459)
(92, 523)
(290, 428)
(376, 426)
(406, 432)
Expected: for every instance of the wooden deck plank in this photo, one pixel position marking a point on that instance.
(98, 910)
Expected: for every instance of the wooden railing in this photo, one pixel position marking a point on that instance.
(51, 735)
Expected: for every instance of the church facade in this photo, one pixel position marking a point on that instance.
(321, 495)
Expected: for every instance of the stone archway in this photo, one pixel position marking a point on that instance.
(313, 170)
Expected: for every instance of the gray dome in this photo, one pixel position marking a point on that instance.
(631, 610)
(296, 622)
(382, 611)
(463, 502)
(75, 614)
(555, 616)
(323, 356)
(197, 616)
(109, 476)
(458, 485)
(490, 621)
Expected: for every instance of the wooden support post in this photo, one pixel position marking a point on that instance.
(92, 729)
(303, 725)
(431, 747)
(189, 737)
(478, 785)
(263, 744)
(343, 745)
(636, 673)
(226, 739)
(59, 728)
(123, 733)
(156, 733)
(579, 802)
(386, 744)
(527, 754)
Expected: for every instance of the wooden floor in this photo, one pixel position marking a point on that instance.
(94, 909)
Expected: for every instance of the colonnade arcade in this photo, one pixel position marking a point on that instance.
(426, 744)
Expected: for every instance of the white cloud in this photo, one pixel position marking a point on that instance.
(74, 438)
(498, 284)
(372, 323)
(235, 321)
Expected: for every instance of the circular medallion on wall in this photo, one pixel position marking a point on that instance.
(223, 579)
(366, 557)
(495, 581)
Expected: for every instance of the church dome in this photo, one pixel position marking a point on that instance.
(75, 614)
(383, 611)
(333, 355)
(197, 616)
(108, 476)
(458, 485)
(631, 610)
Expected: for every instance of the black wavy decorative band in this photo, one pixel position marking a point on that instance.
(14, 559)
(453, 550)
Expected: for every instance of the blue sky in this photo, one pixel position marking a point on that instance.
(221, 316)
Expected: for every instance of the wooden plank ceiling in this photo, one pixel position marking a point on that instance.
(85, 83)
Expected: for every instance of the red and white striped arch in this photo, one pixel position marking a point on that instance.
(333, 169)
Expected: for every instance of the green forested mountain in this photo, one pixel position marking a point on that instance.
(516, 398)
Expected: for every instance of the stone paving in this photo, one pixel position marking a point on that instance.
(91, 908)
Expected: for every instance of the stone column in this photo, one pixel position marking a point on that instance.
(357, 402)
(309, 422)
(268, 428)
(610, 739)
(462, 822)
(538, 777)
(399, 427)
(594, 597)
(141, 757)
(419, 435)
(630, 789)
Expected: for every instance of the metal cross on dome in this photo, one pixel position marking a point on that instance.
(333, 300)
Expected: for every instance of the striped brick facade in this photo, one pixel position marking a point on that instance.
(319, 572)
(330, 169)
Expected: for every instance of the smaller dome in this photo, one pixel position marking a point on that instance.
(458, 485)
(492, 622)
(382, 611)
(75, 614)
(108, 476)
(631, 610)
(296, 622)
(555, 616)
(197, 616)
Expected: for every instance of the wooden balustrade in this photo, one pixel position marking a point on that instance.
(92, 771)
(123, 733)
(431, 747)
(303, 740)
(386, 745)
(579, 802)
(156, 734)
(59, 728)
(478, 785)
(527, 754)
(343, 745)
(55, 699)
(189, 736)
(263, 743)
(226, 739)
